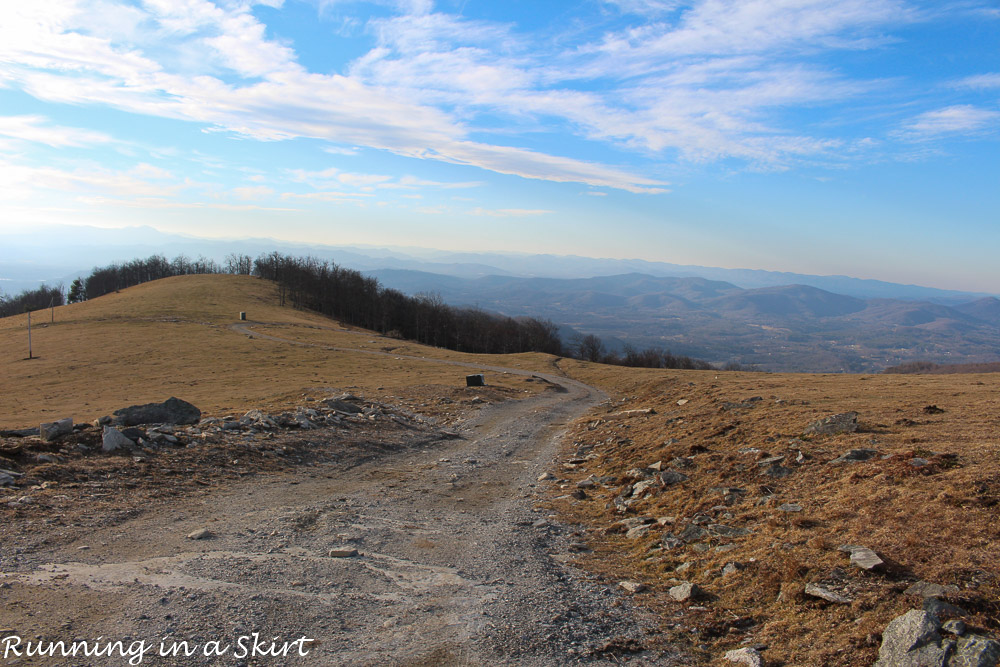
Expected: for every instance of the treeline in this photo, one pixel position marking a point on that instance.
(349, 296)
(353, 298)
(930, 368)
(31, 299)
(121, 275)
(592, 348)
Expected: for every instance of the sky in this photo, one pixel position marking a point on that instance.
(853, 137)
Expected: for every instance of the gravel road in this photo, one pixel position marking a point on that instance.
(454, 565)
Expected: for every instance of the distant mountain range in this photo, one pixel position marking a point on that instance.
(777, 321)
(786, 328)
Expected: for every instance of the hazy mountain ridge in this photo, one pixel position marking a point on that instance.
(788, 328)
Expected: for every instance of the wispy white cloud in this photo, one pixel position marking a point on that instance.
(980, 81)
(958, 119)
(38, 129)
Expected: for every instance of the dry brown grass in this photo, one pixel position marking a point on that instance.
(936, 523)
(172, 338)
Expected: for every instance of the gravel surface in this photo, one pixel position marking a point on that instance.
(434, 555)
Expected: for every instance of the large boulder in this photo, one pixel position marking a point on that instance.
(915, 640)
(171, 411)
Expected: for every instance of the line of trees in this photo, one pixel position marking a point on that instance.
(592, 348)
(353, 298)
(31, 299)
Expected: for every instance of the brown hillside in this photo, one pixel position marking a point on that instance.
(173, 337)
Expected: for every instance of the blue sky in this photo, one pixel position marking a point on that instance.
(857, 137)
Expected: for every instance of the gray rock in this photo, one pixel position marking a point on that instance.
(913, 640)
(692, 533)
(637, 532)
(586, 484)
(976, 651)
(632, 586)
(6, 480)
(846, 422)
(49, 431)
(855, 456)
(685, 592)
(722, 530)
(790, 507)
(777, 471)
(826, 594)
(939, 608)
(341, 405)
(200, 534)
(670, 477)
(343, 553)
(862, 557)
(683, 567)
(918, 462)
(670, 542)
(639, 488)
(954, 627)
(926, 589)
(171, 411)
(769, 461)
(745, 656)
(112, 440)
(731, 568)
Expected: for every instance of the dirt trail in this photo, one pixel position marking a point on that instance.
(454, 564)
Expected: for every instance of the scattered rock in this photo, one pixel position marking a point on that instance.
(341, 405)
(632, 586)
(637, 532)
(343, 553)
(586, 484)
(685, 592)
(113, 439)
(49, 431)
(777, 471)
(722, 530)
(683, 401)
(954, 627)
(745, 656)
(670, 542)
(855, 456)
(825, 594)
(641, 487)
(915, 639)
(862, 557)
(926, 589)
(6, 480)
(200, 534)
(171, 411)
(671, 477)
(546, 476)
(846, 422)
(932, 410)
(790, 507)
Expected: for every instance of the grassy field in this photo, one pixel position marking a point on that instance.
(174, 338)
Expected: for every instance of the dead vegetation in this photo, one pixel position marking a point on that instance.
(925, 503)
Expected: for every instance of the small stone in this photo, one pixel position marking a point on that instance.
(745, 656)
(637, 532)
(846, 422)
(112, 439)
(955, 627)
(777, 471)
(926, 589)
(586, 484)
(658, 466)
(632, 586)
(343, 553)
(670, 542)
(683, 401)
(918, 462)
(790, 507)
(825, 594)
(862, 557)
(200, 534)
(855, 456)
(683, 567)
(546, 476)
(727, 531)
(731, 568)
(685, 592)
(642, 487)
(692, 533)
(672, 477)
